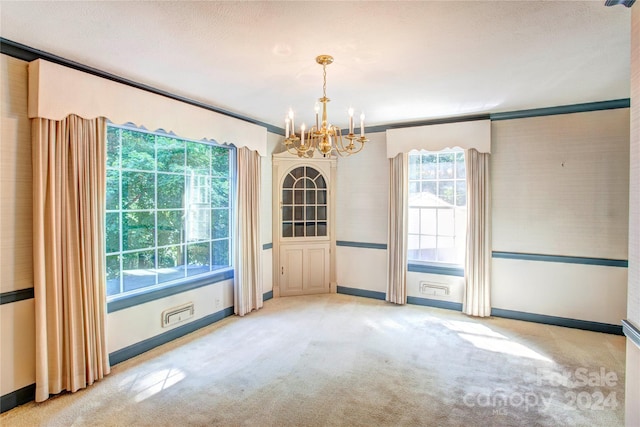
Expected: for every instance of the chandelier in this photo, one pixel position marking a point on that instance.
(323, 137)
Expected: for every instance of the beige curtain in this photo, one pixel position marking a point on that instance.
(477, 296)
(68, 244)
(248, 274)
(397, 239)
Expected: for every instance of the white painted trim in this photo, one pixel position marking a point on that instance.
(466, 135)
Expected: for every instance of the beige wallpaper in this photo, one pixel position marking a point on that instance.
(15, 179)
(560, 184)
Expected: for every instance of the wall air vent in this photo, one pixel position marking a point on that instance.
(433, 288)
(178, 314)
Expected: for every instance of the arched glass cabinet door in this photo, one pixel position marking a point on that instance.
(304, 203)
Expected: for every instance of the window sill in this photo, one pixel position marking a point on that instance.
(444, 269)
(126, 301)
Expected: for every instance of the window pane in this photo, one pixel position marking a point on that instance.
(220, 161)
(413, 246)
(171, 263)
(429, 166)
(414, 221)
(321, 229)
(445, 192)
(198, 258)
(310, 213)
(298, 229)
(461, 193)
(429, 187)
(414, 187)
(312, 173)
(170, 191)
(138, 270)
(311, 229)
(446, 222)
(199, 158)
(321, 197)
(460, 166)
(198, 223)
(113, 274)
(113, 190)
(320, 182)
(311, 197)
(298, 198)
(171, 154)
(445, 165)
(446, 250)
(287, 229)
(308, 183)
(428, 248)
(138, 230)
(428, 222)
(322, 213)
(288, 182)
(220, 223)
(287, 213)
(170, 227)
(221, 257)
(113, 147)
(138, 190)
(220, 193)
(298, 213)
(298, 172)
(112, 224)
(414, 167)
(287, 197)
(138, 151)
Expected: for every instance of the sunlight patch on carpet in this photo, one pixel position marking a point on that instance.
(500, 345)
(155, 382)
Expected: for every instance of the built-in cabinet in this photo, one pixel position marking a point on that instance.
(303, 225)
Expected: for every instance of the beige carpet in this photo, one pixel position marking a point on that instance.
(342, 360)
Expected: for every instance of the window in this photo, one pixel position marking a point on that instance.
(168, 209)
(437, 207)
(304, 203)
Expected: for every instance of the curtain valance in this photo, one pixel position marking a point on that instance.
(474, 134)
(56, 91)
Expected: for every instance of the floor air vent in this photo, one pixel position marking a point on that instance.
(177, 314)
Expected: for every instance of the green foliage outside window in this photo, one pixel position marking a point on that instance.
(168, 209)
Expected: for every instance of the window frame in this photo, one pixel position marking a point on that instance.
(160, 290)
(434, 267)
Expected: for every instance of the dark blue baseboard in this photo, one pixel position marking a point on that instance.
(17, 398)
(449, 305)
(362, 293)
(153, 342)
(267, 296)
(586, 325)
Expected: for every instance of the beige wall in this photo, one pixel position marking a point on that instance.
(633, 304)
(560, 186)
(17, 330)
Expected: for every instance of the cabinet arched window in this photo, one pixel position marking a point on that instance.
(304, 203)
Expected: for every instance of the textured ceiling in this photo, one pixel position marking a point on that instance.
(397, 61)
